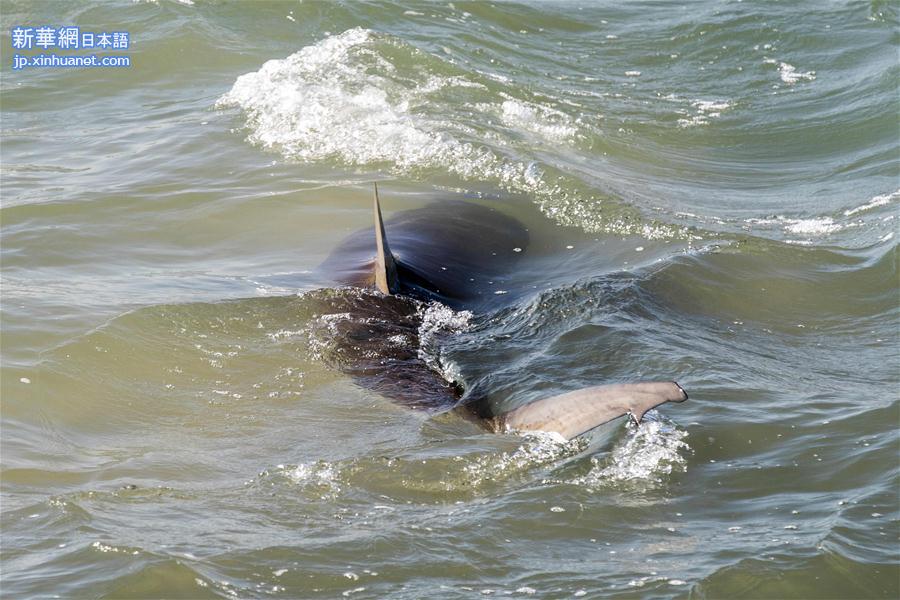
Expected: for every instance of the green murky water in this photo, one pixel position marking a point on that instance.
(712, 194)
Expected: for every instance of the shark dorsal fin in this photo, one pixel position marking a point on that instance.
(386, 280)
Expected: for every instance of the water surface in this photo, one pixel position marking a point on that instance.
(711, 192)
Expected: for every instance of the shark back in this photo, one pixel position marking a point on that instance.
(454, 252)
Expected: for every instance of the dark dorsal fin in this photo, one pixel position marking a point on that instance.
(386, 280)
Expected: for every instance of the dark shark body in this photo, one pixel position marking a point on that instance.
(454, 253)
(375, 338)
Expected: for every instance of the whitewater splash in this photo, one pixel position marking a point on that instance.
(650, 451)
(826, 226)
(647, 453)
(439, 320)
(540, 448)
(816, 226)
(879, 200)
(342, 99)
(320, 478)
(703, 111)
(362, 98)
(643, 458)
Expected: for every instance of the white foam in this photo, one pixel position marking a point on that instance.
(550, 124)
(322, 331)
(105, 548)
(712, 108)
(704, 110)
(320, 474)
(540, 448)
(439, 319)
(348, 593)
(337, 99)
(400, 340)
(352, 98)
(282, 334)
(876, 201)
(651, 450)
(790, 75)
(815, 226)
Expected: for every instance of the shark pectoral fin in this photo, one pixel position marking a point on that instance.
(386, 279)
(577, 412)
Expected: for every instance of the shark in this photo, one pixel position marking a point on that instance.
(449, 253)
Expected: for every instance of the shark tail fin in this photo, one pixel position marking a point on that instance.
(574, 413)
(386, 280)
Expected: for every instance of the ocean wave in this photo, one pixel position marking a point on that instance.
(367, 99)
(876, 201)
(539, 448)
(343, 98)
(789, 73)
(652, 450)
(812, 228)
(437, 320)
(703, 111)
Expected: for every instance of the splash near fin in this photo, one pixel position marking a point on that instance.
(386, 280)
(577, 412)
